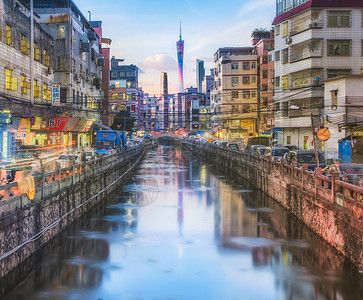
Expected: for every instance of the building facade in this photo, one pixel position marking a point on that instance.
(200, 72)
(234, 100)
(315, 40)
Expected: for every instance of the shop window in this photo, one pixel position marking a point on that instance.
(339, 18)
(339, 47)
(8, 35)
(24, 45)
(61, 31)
(10, 81)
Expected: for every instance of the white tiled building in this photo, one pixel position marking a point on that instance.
(314, 40)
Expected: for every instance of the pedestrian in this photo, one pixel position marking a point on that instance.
(334, 167)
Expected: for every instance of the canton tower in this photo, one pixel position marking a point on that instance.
(180, 50)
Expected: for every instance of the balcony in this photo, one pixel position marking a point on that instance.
(307, 49)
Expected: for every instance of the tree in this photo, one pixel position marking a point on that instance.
(123, 118)
(260, 33)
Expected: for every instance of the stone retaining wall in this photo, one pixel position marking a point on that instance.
(329, 207)
(57, 204)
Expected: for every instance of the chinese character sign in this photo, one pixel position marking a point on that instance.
(56, 95)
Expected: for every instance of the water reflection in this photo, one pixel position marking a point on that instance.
(180, 229)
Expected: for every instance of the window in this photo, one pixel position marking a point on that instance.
(234, 65)
(246, 80)
(253, 79)
(277, 81)
(8, 35)
(277, 29)
(339, 18)
(114, 96)
(46, 58)
(253, 65)
(285, 82)
(234, 81)
(74, 36)
(36, 52)
(334, 97)
(338, 72)
(114, 74)
(37, 89)
(47, 93)
(277, 55)
(24, 45)
(11, 83)
(285, 29)
(246, 65)
(339, 47)
(234, 94)
(270, 57)
(246, 94)
(24, 86)
(61, 63)
(285, 56)
(61, 30)
(264, 74)
(253, 94)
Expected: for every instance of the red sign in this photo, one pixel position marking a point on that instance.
(54, 124)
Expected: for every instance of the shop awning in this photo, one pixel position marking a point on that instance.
(100, 125)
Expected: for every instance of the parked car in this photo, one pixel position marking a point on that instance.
(253, 149)
(232, 146)
(257, 141)
(260, 150)
(276, 152)
(305, 157)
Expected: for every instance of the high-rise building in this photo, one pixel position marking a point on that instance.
(164, 102)
(180, 51)
(200, 75)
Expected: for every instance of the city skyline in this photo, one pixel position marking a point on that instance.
(145, 33)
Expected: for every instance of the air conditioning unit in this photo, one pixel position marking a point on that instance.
(49, 70)
(314, 25)
(288, 40)
(85, 47)
(92, 35)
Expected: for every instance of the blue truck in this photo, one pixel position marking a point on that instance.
(109, 139)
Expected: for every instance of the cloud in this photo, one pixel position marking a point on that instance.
(160, 62)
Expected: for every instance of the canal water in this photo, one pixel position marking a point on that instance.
(181, 229)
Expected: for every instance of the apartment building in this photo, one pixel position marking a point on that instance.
(234, 98)
(77, 56)
(315, 40)
(23, 81)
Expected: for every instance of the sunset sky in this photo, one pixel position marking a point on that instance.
(145, 32)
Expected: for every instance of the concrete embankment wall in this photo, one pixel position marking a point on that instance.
(61, 197)
(331, 208)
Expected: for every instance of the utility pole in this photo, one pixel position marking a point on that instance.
(32, 52)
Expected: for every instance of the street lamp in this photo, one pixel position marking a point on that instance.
(295, 107)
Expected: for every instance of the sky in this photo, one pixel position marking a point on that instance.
(145, 32)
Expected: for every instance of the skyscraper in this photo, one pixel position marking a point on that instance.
(200, 75)
(180, 50)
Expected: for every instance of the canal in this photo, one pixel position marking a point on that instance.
(181, 229)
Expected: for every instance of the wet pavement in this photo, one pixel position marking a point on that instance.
(180, 229)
